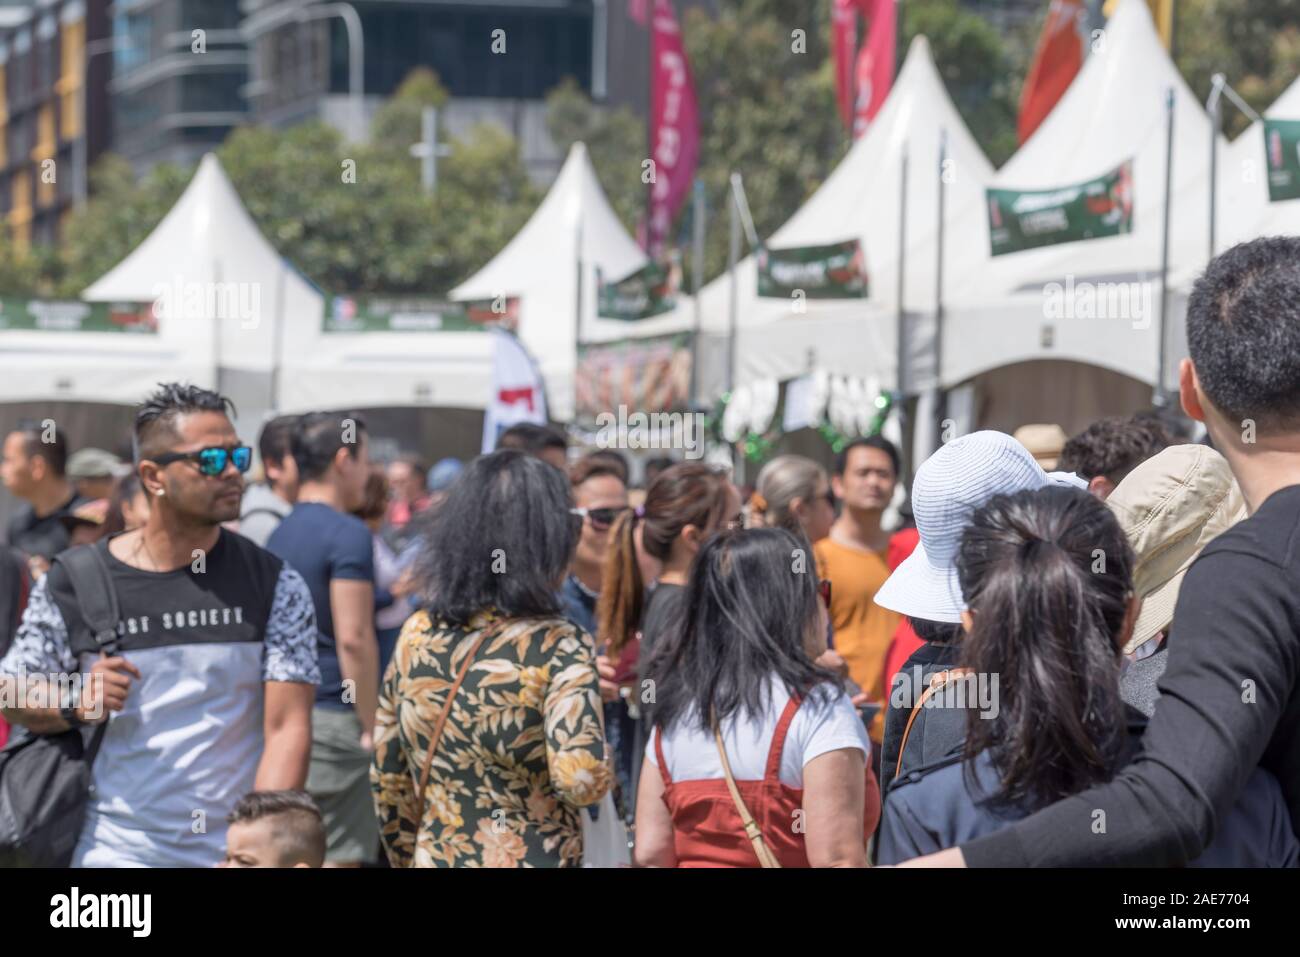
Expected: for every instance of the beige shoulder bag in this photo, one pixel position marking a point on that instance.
(765, 856)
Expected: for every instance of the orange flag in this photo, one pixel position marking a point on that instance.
(1056, 60)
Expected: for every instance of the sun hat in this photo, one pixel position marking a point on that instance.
(1044, 442)
(1170, 508)
(949, 486)
(443, 474)
(92, 463)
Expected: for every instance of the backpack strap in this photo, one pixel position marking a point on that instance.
(262, 510)
(937, 681)
(92, 584)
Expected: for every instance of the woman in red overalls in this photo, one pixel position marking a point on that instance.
(740, 664)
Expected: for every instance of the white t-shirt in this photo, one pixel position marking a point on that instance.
(826, 721)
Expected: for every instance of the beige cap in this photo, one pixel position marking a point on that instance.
(1044, 442)
(1170, 507)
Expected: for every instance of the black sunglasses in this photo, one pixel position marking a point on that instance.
(601, 518)
(211, 461)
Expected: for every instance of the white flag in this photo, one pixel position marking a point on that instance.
(517, 394)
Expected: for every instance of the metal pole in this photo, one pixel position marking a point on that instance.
(577, 321)
(1213, 107)
(1159, 399)
(697, 280)
(900, 376)
(938, 275)
(277, 362)
(733, 257)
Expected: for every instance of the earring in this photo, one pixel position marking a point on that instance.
(159, 492)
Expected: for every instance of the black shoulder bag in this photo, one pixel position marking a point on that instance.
(45, 778)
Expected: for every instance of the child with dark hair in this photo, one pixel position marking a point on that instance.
(1048, 621)
(275, 829)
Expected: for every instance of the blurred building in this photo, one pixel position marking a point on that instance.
(178, 74)
(42, 70)
(300, 61)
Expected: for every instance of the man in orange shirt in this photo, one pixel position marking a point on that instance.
(854, 558)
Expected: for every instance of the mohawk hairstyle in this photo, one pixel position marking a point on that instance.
(155, 420)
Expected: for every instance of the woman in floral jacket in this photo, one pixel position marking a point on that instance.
(523, 746)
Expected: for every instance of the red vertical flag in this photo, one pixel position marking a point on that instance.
(844, 40)
(875, 67)
(674, 125)
(1056, 60)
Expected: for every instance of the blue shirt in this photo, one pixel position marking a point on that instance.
(323, 545)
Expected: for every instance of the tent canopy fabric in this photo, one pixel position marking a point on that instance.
(1096, 301)
(1244, 210)
(540, 265)
(861, 200)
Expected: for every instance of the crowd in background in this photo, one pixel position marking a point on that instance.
(528, 660)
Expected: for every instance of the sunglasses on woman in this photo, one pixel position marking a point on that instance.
(212, 460)
(600, 518)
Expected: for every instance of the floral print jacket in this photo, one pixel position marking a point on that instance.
(522, 750)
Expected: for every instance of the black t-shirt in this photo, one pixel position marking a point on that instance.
(45, 536)
(227, 599)
(1228, 702)
(13, 594)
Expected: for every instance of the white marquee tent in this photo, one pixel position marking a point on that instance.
(540, 265)
(227, 302)
(861, 200)
(997, 309)
(1244, 210)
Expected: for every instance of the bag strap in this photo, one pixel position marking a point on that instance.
(765, 856)
(937, 681)
(92, 584)
(437, 733)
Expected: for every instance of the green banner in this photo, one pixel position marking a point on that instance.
(648, 291)
(1027, 219)
(833, 271)
(647, 375)
(42, 315)
(416, 314)
(1282, 143)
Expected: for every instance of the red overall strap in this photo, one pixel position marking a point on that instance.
(773, 772)
(659, 753)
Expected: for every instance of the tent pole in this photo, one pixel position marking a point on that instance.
(1159, 399)
(216, 328)
(697, 279)
(1216, 121)
(277, 341)
(733, 257)
(938, 278)
(577, 321)
(901, 358)
(900, 376)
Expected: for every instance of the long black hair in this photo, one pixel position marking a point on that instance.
(749, 606)
(1047, 575)
(503, 538)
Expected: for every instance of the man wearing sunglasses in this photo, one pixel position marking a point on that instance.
(600, 497)
(208, 693)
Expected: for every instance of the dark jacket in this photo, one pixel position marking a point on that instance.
(937, 733)
(929, 810)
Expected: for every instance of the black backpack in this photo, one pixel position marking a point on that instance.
(45, 778)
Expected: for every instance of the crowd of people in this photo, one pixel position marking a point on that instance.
(1072, 651)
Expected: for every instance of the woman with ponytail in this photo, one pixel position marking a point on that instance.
(1047, 578)
(684, 506)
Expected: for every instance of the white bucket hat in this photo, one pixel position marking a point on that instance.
(950, 485)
